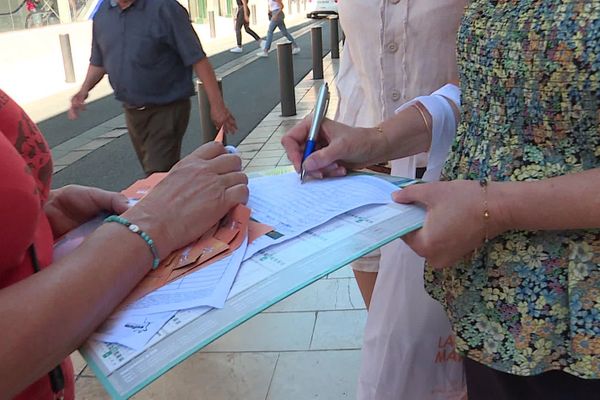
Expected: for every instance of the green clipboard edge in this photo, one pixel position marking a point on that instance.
(398, 181)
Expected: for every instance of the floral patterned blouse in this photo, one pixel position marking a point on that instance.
(528, 302)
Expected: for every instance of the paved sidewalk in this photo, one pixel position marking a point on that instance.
(305, 347)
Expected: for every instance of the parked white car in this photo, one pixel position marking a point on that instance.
(318, 8)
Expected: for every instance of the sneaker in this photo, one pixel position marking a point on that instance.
(236, 50)
(295, 49)
(262, 44)
(262, 54)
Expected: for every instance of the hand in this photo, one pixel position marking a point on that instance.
(246, 18)
(77, 104)
(71, 206)
(223, 118)
(197, 193)
(339, 148)
(454, 226)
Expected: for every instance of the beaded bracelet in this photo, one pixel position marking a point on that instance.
(136, 229)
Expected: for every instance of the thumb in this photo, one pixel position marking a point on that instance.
(321, 158)
(120, 203)
(412, 194)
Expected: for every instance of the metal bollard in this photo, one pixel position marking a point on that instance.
(286, 79)
(298, 6)
(209, 130)
(289, 6)
(253, 12)
(317, 52)
(334, 37)
(67, 56)
(211, 24)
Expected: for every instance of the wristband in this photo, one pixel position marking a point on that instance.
(136, 229)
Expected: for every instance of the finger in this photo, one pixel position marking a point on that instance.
(209, 151)
(108, 201)
(233, 123)
(234, 178)
(226, 163)
(329, 168)
(236, 194)
(413, 240)
(315, 175)
(293, 151)
(322, 158)
(120, 203)
(338, 172)
(412, 194)
(299, 133)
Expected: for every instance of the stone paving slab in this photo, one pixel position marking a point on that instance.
(328, 375)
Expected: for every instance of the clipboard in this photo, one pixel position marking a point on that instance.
(372, 227)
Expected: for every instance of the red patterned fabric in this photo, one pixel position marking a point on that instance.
(25, 176)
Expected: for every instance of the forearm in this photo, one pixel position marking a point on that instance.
(405, 134)
(566, 202)
(205, 72)
(93, 76)
(419, 124)
(48, 315)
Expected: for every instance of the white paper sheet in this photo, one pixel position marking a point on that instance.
(133, 331)
(292, 208)
(115, 355)
(208, 286)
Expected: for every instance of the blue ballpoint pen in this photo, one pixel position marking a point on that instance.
(319, 114)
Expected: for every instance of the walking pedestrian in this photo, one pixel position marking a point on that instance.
(277, 18)
(243, 19)
(149, 49)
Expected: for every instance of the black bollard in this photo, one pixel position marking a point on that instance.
(209, 130)
(286, 79)
(334, 37)
(67, 56)
(317, 52)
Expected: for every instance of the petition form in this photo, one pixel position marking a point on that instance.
(292, 208)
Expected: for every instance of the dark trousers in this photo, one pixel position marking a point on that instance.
(239, 22)
(157, 132)
(485, 383)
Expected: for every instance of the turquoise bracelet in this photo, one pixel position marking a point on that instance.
(136, 229)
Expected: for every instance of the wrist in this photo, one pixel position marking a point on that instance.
(500, 218)
(379, 144)
(157, 231)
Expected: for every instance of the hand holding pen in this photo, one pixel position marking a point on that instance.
(336, 149)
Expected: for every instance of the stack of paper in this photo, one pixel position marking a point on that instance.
(201, 275)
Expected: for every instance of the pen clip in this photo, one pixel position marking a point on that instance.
(321, 107)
